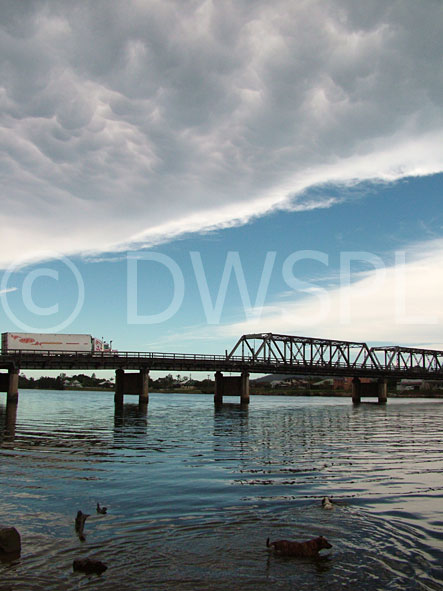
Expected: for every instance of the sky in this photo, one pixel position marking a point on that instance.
(175, 174)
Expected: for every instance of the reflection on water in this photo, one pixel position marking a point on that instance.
(8, 419)
(193, 492)
(130, 421)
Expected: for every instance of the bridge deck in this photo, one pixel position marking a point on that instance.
(131, 360)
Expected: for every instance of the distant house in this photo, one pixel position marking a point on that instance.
(326, 383)
(408, 385)
(279, 384)
(73, 384)
(298, 383)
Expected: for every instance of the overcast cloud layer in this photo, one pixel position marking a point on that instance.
(132, 122)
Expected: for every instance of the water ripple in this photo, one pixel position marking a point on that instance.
(193, 492)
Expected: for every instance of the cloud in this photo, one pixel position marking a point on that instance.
(131, 123)
(398, 303)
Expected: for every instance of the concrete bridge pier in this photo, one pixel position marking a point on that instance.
(218, 389)
(382, 391)
(244, 392)
(356, 391)
(131, 383)
(379, 389)
(231, 386)
(9, 384)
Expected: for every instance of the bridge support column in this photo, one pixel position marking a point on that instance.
(144, 387)
(356, 391)
(382, 391)
(218, 393)
(244, 388)
(231, 386)
(12, 395)
(131, 383)
(9, 384)
(119, 387)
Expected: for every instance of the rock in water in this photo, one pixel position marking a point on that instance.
(89, 566)
(9, 539)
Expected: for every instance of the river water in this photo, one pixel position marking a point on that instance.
(193, 492)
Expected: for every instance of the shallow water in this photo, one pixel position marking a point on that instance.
(193, 492)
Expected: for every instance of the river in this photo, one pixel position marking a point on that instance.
(193, 492)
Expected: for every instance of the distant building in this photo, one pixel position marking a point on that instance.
(326, 383)
(409, 385)
(279, 384)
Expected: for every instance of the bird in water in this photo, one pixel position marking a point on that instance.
(101, 510)
(327, 503)
(80, 524)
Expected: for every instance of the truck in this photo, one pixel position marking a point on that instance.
(46, 342)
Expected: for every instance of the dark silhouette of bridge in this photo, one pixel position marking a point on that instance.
(264, 353)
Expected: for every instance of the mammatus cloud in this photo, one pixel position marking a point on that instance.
(130, 123)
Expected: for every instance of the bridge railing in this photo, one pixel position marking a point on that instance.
(388, 364)
(17, 353)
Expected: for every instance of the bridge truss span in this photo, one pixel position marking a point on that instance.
(410, 359)
(304, 351)
(337, 357)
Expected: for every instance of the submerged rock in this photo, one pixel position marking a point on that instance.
(89, 566)
(9, 539)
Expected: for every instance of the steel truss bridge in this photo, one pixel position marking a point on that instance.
(334, 357)
(254, 353)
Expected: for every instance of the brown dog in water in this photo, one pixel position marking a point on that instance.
(307, 549)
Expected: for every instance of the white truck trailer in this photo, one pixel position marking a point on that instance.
(68, 343)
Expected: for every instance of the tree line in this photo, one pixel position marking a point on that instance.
(79, 381)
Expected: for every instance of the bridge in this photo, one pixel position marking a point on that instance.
(264, 353)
